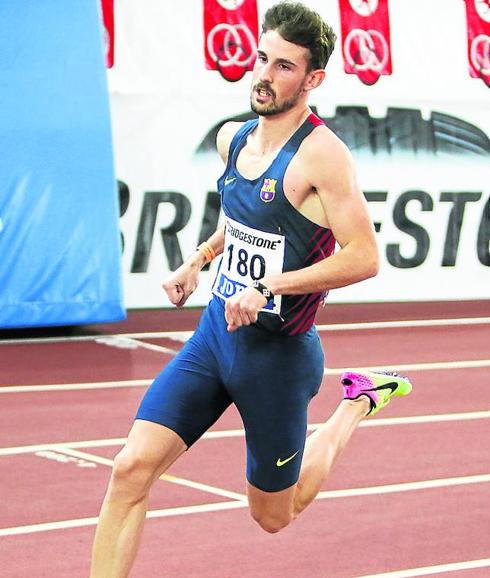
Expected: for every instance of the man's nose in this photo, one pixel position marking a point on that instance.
(266, 73)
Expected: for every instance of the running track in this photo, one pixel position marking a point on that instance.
(410, 496)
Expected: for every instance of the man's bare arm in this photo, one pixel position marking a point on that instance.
(180, 285)
(329, 167)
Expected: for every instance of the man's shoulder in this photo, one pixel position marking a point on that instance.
(225, 135)
(322, 140)
(325, 157)
(228, 130)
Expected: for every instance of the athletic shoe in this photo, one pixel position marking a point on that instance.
(378, 387)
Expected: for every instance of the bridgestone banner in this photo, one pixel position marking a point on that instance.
(419, 136)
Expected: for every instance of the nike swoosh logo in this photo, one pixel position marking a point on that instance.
(280, 462)
(228, 181)
(392, 385)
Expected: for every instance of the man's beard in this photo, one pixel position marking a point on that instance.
(272, 108)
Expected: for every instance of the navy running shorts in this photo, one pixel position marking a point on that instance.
(270, 378)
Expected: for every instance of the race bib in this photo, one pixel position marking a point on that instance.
(249, 255)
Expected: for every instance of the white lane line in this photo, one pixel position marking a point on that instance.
(475, 363)
(429, 570)
(85, 456)
(153, 347)
(203, 487)
(378, 422)
(81, 522)
(221, 434)
(46, 526)
(180, 336)
(165, 477)
(124, 342)
(184, 510)
(435, 418)
(405, 324)
(406, 486)
(183, 336)
(62, 445)
(334, 494)
(75, 386)
(435, 366)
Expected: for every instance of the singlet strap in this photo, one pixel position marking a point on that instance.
(293, 144)
(286, 153)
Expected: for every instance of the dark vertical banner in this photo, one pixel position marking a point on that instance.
(230, 36)
(60, 250)
(108, 20)
(366, 43)
(478, 29)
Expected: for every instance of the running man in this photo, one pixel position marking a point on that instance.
(288, 192)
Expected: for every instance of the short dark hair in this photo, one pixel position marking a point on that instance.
(300, 25)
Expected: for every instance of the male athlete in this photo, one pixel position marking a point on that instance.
(288, 193)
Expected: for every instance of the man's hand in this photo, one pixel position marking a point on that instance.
(183, 282)
(243, 308)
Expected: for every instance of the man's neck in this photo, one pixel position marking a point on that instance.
(273, 131)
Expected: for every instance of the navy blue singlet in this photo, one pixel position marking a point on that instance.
(266, 234)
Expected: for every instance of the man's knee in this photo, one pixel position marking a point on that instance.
(127, 463)
(132, 474)
(272, 511)
(272, 522)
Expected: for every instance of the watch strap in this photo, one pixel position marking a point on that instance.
(263, 290)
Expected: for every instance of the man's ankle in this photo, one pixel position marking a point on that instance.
(361, 404)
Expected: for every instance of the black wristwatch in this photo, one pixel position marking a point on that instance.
(262, 289)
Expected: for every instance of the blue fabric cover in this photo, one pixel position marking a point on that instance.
(60, 257)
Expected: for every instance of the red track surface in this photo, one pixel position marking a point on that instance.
(341, 535)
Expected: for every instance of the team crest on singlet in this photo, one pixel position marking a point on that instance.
(268, 190)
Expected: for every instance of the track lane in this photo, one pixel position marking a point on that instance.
(79, 361)
(342, 539)
(428, 450)
(108, 413)
(322, 546)
(112, 360)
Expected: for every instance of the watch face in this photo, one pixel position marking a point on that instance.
(483, 9)
(364, 7)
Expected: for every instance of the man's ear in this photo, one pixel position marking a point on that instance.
(314, 79)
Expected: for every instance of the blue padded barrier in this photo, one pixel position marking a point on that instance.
(60, 257)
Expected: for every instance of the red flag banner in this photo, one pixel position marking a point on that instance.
(108, 21)
(478, 25)
(230, 36)
(366, 44)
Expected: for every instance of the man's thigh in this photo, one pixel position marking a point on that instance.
(273, 383)
(188, 396)
(152, 447)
